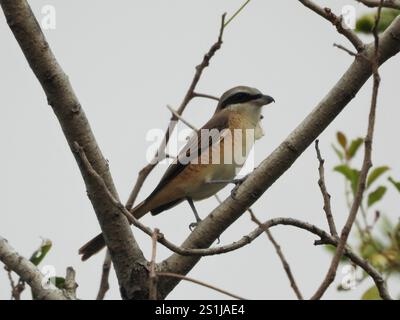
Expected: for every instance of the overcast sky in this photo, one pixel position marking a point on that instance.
(126, 60)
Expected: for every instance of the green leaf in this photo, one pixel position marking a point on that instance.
(395, 183)
(354, 146)
(365, 23)
(338, 152)
(345, 170)
(40, 253)
(375, 174)
(376, 195)
(59, 282)
(371, 294)
(341, 138)
(351, 175)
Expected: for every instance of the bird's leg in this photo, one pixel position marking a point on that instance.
(237, 182)
(198, 219)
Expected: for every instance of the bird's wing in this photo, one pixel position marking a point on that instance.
(195, 147)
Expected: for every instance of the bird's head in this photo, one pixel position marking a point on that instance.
(242, 98)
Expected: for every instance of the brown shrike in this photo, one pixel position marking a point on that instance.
(210, 160)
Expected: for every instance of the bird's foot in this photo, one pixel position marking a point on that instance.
(193, 225)
(237, 183)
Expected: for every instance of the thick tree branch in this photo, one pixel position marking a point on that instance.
(29, 273)
(60, 95)
(136, 271)
(284, 156)
(337, 22)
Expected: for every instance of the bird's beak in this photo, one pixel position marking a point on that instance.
(266, 99)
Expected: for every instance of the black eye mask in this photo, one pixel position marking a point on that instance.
(240, 97)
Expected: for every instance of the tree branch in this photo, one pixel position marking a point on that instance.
(153, 292)
(204, 95)
(29, 273)
(282, 157)
(280, 254)
(70, 284)
(105, 273)
(394, 4)
(324, 191)
(180, 277)
(367, 164)
(337, 22)
(124, 250)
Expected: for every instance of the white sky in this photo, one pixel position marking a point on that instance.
(127, 60)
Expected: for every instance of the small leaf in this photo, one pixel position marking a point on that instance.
(371, 294)
(375, 174)
(338, 152)
(376, 195)
(354, 146)
(395, 183)
(341, 138)
(59, 282)
(40, 253)
(366, 23)
(345, 170)
(351, 175)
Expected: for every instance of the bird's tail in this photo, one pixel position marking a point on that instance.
(98, 243)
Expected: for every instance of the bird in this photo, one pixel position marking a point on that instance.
(209, 161)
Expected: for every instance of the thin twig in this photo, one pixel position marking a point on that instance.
(341, 47)
(281, 256)
(367, 164)
(70, 285)
(236, 13)
(173, 111)
(160, 154)
(16, 289)
(337, 21)
(204, 95)
(105, 273)
(179, 276)
(325, 193)
(153, 292)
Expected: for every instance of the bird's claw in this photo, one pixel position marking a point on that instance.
(237, 183)
(193, 225)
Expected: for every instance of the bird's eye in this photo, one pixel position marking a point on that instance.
(261, 117)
